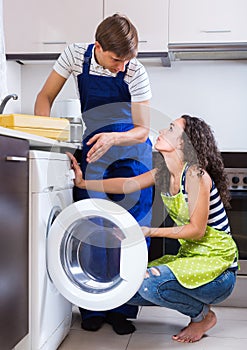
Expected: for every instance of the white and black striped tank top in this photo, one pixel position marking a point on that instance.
(217, 217)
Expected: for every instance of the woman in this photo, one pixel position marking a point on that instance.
(194, 192)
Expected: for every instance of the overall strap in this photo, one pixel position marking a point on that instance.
(85, 73)
(87, 59)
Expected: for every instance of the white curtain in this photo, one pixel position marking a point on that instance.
(3, 68)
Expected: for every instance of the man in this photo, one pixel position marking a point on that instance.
(114, 91)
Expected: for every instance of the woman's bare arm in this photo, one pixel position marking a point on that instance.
(198, 189)
(114, 185)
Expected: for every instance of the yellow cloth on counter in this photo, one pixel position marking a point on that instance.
(54, 128)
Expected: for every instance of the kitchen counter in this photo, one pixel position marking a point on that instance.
(39, 142)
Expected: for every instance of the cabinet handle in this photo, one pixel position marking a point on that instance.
(53, 42)
(16, 159)
(142, 41)
(216, 31)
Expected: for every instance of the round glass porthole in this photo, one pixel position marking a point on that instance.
(91, 254)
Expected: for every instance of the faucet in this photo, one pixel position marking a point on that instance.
(5, 100)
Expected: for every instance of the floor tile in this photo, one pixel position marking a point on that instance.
(160, 320)
(159, 312)
(155, 327)
(230, 329)
(76, 319)
(104, 339)
(164, 341)
(231, 313)
(159, 325)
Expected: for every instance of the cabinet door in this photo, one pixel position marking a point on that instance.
(13, 241)
(149, 17)
(207, 21)
(33, 26)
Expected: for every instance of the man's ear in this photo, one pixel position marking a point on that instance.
(98, 46)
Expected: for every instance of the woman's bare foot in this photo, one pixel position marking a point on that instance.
(195, 330)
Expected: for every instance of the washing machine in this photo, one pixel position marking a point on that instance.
(50, 193)
(62, 267)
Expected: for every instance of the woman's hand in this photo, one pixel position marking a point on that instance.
(78, 181)
(146, 231)
(102, 143)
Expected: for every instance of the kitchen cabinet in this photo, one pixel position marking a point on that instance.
(207, 21)
(33, 26)
(13, 241)
(150, 19)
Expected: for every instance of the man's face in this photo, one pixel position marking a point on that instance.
(109, 60)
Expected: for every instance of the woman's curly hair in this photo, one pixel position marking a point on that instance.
(200, 149)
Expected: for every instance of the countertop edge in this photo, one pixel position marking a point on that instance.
(35, 140)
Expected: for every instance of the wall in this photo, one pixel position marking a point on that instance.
(213, 90)
(33, 77)
(3, 77)
(13, 87)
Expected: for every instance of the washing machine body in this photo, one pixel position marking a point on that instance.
(91, 253)
(50, 193)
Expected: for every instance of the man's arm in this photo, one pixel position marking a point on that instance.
(104, 141)
(141, 119)
(48, 93)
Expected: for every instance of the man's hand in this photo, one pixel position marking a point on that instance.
(102, 143)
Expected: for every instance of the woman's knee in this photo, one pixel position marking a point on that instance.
(155, 277)
(153, 271)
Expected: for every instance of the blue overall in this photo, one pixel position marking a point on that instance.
(106, 107)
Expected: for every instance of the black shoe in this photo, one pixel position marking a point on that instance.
(93, 323)
(120, 324)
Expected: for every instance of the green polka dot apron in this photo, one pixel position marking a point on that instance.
(198, 261)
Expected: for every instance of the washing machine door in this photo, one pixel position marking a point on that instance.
(97, 254)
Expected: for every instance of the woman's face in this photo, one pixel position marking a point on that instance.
(170, 139)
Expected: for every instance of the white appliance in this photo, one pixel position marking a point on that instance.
(50, 193)
(61, 271)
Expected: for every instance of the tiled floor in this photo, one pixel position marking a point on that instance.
(155, 326)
